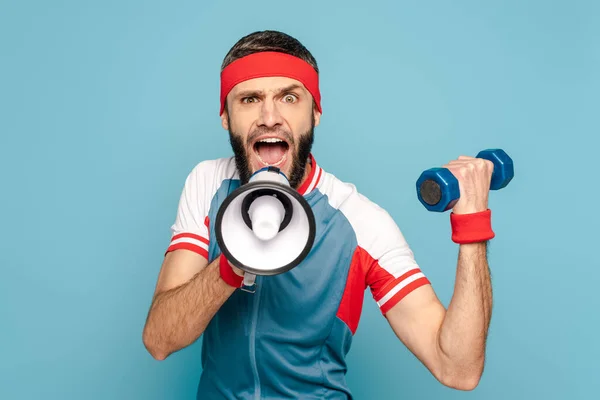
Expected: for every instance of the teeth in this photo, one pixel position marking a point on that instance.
(272, 165)
(270, 140)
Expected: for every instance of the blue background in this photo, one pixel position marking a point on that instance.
(106, 106)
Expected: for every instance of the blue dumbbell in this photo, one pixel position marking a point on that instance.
(437, 188)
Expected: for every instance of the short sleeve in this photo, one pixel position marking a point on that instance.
(190, 229)
(391, 271)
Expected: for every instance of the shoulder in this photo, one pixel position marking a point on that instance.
(219, 168)
(373, 225)
(209, 174)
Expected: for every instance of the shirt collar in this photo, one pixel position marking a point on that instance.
(313, 179)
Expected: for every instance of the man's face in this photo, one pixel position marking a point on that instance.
(271, 122)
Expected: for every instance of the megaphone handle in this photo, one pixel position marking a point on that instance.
(248, 282)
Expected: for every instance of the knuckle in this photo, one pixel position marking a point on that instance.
(483, 164)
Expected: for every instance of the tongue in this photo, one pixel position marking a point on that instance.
(271, 153)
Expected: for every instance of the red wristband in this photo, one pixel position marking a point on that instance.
(472, 228)
(227, 274)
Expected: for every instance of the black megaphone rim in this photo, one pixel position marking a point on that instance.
(266, 185)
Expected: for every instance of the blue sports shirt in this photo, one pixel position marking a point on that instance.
(289, 339)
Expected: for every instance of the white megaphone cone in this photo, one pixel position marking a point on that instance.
(265, 227)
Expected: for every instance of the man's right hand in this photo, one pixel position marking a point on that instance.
(235, 269)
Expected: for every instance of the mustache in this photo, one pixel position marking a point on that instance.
(263, 130)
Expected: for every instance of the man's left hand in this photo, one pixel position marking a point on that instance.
(474, 176)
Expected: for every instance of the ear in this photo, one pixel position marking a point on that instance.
(224, 120)
(317, 116)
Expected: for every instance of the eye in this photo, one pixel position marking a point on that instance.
(247, 100)
(290, 98)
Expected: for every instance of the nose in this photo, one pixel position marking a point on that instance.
(270, 115)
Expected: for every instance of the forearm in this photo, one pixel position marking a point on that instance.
(463, 333)
(179, 316)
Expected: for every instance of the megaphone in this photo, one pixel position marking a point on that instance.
(265, 227)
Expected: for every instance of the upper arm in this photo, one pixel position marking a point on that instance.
(401, 289)
(178, 267)
(187, 253)
(416, 321)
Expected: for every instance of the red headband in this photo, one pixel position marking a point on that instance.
(268, 63)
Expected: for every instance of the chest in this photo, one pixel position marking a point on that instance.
(307, 297)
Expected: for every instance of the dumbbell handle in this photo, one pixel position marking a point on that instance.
(438, 190)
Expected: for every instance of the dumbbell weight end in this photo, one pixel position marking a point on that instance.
(503, 167)
(437, 189)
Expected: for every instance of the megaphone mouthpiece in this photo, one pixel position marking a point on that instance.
(270, 174)
(266, 214)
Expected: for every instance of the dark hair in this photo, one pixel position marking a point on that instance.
(269, 40)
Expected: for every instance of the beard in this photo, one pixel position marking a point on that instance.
(299, 159)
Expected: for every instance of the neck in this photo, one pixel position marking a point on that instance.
(307, 171)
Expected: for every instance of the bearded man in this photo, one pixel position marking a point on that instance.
(288, 338)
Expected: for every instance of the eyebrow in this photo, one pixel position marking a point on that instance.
(258, 93)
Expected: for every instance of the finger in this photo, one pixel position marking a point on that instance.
(471, 162)
(456, 170)
(458, 162)
(454, 167)
(466, 158)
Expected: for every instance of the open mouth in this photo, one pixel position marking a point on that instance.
(271, 151)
